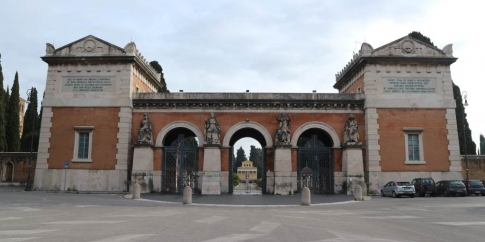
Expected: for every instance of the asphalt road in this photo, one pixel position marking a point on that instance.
(39, 216)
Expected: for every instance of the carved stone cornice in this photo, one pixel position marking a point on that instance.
(249, 101)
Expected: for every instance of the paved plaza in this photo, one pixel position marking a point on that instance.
(41, 216)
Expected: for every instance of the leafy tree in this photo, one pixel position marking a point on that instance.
(30, 132)
(13, 122)
(256, 156)
(240, 157)
(482, 145)
(236, 179)
(3, 120)
(421, 37)
(461, 122)
(158, 68)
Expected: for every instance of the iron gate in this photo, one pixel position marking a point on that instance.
(180, 166)
(319, 159)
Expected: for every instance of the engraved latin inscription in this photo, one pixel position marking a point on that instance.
(88, 84)
(409, 85)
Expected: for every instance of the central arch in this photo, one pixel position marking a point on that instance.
(316, 125)
(159, 142)
(245, 125)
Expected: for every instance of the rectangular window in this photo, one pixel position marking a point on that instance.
(83, 143)
(413, 138)
(413, 147)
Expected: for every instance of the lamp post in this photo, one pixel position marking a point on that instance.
(28, 187)
(464, 96)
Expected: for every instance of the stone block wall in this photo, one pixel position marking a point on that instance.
(476, 167)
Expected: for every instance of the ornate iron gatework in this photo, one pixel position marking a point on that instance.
(315, 158)
(180, 166)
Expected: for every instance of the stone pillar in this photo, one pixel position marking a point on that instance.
(143, 164)
(284, 178)
(211, 174)
(353, 166)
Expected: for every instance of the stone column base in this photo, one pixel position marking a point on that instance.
(211, 183)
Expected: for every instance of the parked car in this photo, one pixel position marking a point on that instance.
(423, 186)
(397, 189)
(449, 188)
(474, 187)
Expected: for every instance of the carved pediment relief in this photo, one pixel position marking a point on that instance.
(409, 47)
(87, 46)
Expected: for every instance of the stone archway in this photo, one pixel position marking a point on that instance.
(316, 125)
(7, 171)
(247, 124)
(179, 124)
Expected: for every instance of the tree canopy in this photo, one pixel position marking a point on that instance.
(30, 132)
(158, 68)
(13, 122)
(256, 156)
(240, 157)
(462, 125)
(421, 37)
(3, 120)
(482, 145)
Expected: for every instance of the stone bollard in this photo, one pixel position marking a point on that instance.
(187, 195)
(305, 197)
(136, 191)
(358, 193)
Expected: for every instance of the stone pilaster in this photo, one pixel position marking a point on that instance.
(143, 164)
(353, 166)
(124, 138)
(211, 175)
(453, 141)
(373, 148)
(284, 179)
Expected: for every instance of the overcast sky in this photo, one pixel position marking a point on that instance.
(233, 46)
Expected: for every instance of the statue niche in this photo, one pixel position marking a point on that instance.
(145, 132)
(282, 135)
(212, 130)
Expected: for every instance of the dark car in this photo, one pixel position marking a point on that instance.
(449, 188)
(474, 187)
(423, 186)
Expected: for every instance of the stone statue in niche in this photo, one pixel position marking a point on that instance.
(145, 132)
(351, 130)
(282, 136)
(212, 130)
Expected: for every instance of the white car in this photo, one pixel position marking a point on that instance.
(397, 189)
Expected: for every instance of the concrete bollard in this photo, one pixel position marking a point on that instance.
(305, 197)
(358, 193)
(136, 191)
(187, 195)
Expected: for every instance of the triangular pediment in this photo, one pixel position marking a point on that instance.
(87, 46)
(408, 47)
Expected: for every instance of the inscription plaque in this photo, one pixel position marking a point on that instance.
(409, 85)
(88, 84)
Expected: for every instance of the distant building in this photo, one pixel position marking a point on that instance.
(21, 114)
(247, 170)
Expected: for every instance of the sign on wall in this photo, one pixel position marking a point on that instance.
(409, 85)
(79, 84)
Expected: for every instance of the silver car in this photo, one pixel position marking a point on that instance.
(398, 189)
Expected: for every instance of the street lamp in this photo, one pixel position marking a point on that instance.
(28, 187)
(464, 95)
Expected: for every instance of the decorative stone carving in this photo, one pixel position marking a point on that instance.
(366, 49)
(351, 130)
(130, 48)
(89, 45)
(145, 132)
(49, 49)
(212, 130)
(407, 46)
(282, 135)
(448, 50)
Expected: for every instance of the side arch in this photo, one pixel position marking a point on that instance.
(316, 125)
(3, 173)
(179, 124)
(245, 124)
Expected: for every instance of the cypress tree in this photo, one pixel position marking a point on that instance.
(3, 120)
(240, 157)
(13, 118)
(30, 132)
(482, 145)
(471, 147)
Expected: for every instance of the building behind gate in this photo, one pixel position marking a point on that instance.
(104, 124)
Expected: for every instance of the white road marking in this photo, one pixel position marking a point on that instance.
(211, 220)
(391, 217)
(85, 222)
(18, 239)
(234, 238)
(151, 214)
(86, 206)
(265, 227)
(23, 209)
(133, 237)
(9, 218)
(25, 232)
(346, 237)
(460, 223)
